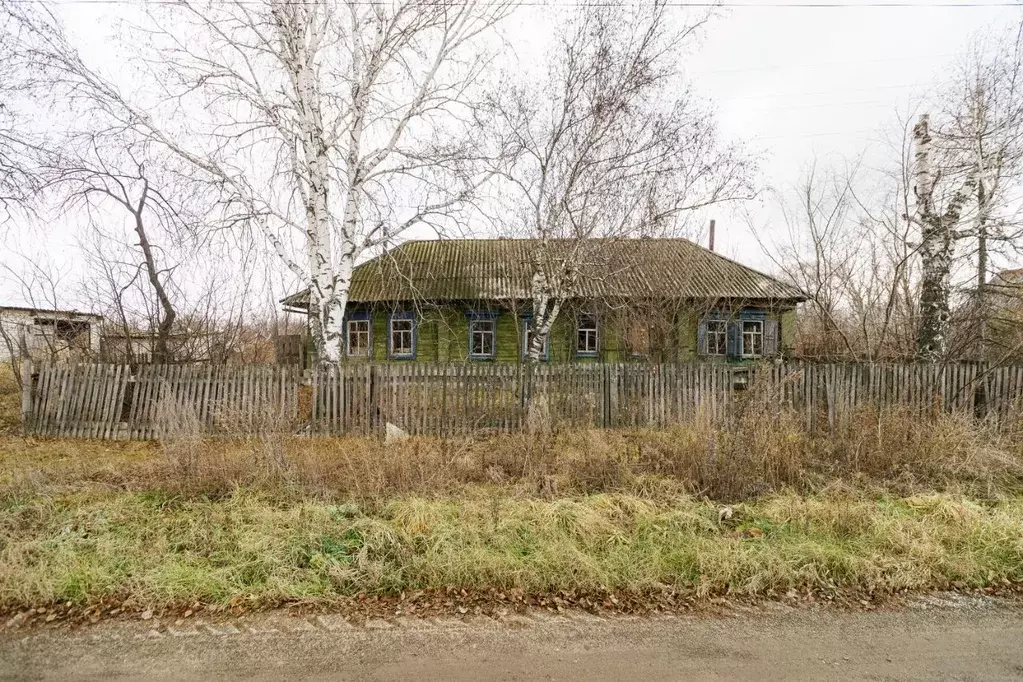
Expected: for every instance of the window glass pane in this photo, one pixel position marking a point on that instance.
(358, 337)
(586, 335)
(401, 337)
(717, 337)
(752, 338)
(481, 339)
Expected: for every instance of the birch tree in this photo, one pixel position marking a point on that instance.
(608, 143)
(330, 127)
(981, 132)
(938, 222)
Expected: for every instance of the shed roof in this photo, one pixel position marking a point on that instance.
(49, 312)
(502, 269)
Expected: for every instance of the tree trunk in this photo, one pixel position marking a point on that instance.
(982, 265)
(936, 243)
(300, 32)
(933, 249)
(546, 306)
(161, 350)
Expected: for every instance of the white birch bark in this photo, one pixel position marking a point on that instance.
(321, 122)
(937, 231)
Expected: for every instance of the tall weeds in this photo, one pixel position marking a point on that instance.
(759, 454)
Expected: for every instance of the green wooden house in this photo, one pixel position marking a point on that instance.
(656, 300)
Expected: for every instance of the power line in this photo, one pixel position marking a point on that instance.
(555, 5)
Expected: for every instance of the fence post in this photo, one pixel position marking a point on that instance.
(613, 406)
(605, 395)
(26, 396)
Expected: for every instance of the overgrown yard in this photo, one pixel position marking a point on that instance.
(892, 502)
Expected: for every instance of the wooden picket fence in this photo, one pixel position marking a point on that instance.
(116, 401)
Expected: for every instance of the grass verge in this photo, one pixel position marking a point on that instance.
(150, 549)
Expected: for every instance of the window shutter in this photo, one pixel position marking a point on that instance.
(770, 338)
(701, 338)
(733, 350)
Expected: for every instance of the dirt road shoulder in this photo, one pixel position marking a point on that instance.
(934, 637)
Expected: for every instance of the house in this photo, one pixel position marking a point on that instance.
(46, 334)
(660, 300)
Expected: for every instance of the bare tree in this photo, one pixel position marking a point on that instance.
(848, 245)
(109, 179)
(607, 144)
(16, 145)
(980, 131)
(15, 173)
(322, 123)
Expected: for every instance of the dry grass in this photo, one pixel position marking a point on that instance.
(152, 549)
(892, 451)
(764, 451)
(269, 519)
(10, 400)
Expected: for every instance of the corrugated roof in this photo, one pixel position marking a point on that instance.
(501, 269)
(47, 311)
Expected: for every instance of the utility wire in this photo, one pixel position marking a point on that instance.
(555, 4)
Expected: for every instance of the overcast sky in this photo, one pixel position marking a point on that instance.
(795, 82)
(829, 83)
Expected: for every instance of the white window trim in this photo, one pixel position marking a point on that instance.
(723, 332)
(596, 336)
(742, 338)
(348, 338)
(412, 338)
(493, 338)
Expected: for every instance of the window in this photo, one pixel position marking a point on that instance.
(402, 338)
(69, 331)
(527, 339)
(752, 338)
(358, 338)
(586, 336)
(481, 338)
(717, 337)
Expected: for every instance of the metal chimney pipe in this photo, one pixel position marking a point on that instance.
(711, 235)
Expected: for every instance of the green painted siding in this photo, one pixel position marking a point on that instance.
(442, 335)
(788, 331)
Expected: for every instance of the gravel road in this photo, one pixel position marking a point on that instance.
(936, 637)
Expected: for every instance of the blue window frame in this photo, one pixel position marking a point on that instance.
(358, 335)
(527, 321)
(482, 335)
(401, 336)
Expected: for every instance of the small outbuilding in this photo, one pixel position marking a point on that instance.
(46, 333)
